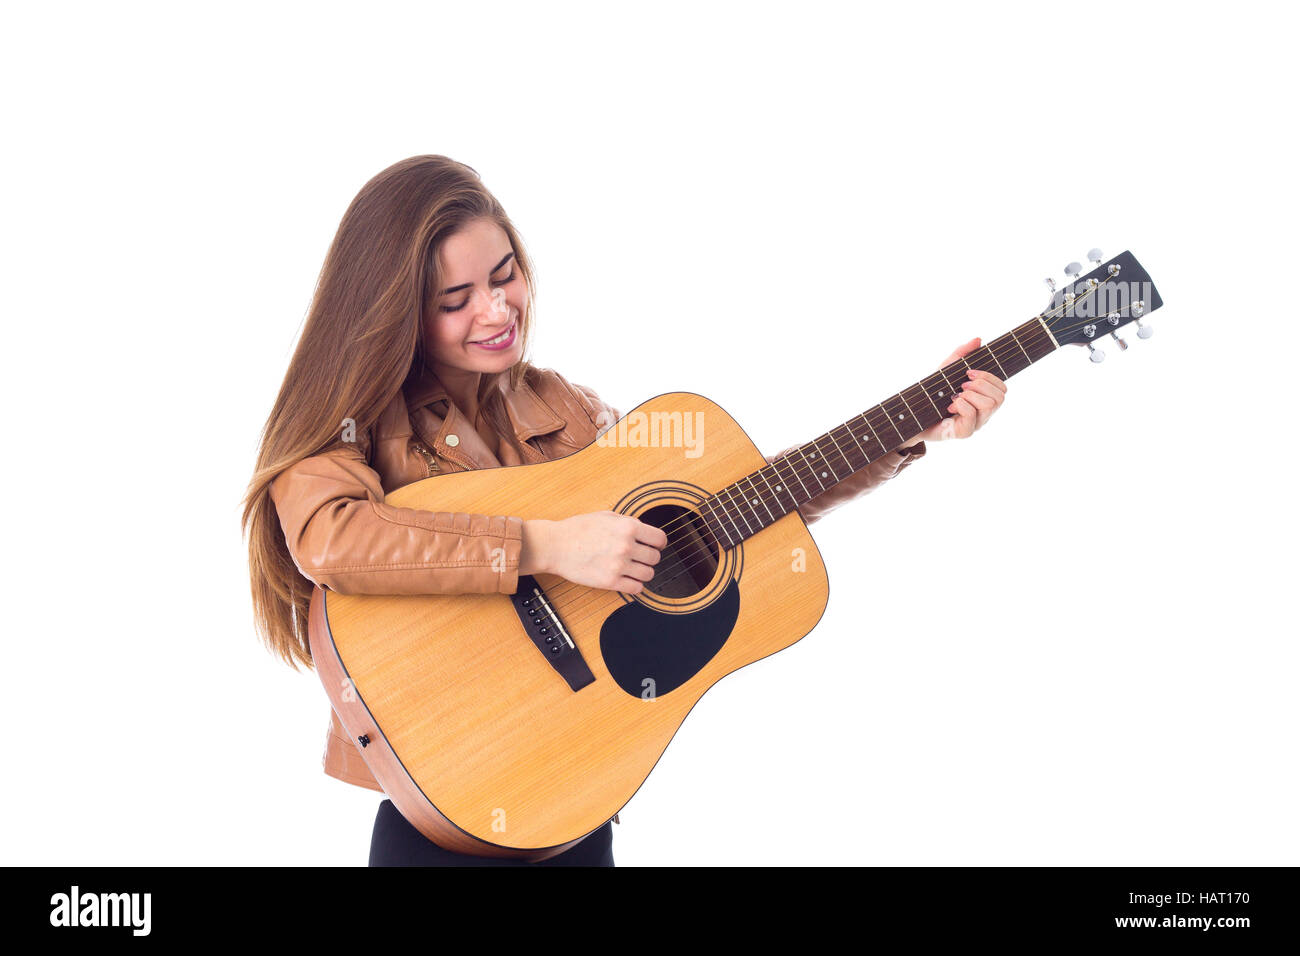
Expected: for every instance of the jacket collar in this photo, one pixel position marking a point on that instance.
(528, 414)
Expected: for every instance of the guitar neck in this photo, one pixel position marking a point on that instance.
(747, 506)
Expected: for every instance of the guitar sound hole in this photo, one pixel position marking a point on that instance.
(688, 562)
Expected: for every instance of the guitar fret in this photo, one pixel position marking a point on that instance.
(1028, 360)
(771, 516)
(931, 400)
(799, 478)
(775, 493)
(727, 513)
(851, 452)
(781, 486)
(731, 500)
(911, 411)
(890, 415)
(851, 469)
(718, 535)
(952, 392)
(873, 431)
(995, 359)
(853, 433)
(1009, 345)
(814, 467)
(827, 461)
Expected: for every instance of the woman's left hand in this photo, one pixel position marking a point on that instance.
(982, 394)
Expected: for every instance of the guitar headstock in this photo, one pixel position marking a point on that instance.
(1092, 305)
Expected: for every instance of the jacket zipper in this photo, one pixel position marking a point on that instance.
(426, 455)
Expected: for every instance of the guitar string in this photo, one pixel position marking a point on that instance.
(800, 468)
(1010, 349)
(812, 468)
(580, 610)
(685, 522)
(658, 579)
(803, 467)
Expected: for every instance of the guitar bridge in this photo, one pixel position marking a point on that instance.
(543, 626)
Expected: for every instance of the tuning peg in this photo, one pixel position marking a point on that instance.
(1072, 270)
(1051, 292)
(1094, 256)
(1145, 331)
(1096, 354)
(1122, 344)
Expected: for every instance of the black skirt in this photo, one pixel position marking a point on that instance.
(395, 842)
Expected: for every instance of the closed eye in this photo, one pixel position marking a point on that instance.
(499, 282)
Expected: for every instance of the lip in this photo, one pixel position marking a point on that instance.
(503, 345)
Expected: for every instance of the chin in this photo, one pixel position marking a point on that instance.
(495, 363)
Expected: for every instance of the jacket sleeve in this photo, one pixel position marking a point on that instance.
(343, 536)
(859, 483)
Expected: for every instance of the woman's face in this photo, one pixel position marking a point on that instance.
(482, 299)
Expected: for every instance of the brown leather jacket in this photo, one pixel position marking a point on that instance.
(343, 537)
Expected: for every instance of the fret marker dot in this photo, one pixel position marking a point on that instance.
(823, 474)
(900, 415)
(865, 438)
(755, 501)
(778, 487)
(939, 393)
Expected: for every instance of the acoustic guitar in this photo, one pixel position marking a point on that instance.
(515, 725)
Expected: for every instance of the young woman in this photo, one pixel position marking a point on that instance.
(412, 363)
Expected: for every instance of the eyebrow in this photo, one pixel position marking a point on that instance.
(466, 285)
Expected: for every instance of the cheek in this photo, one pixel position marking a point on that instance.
(448, 332)
(518, 294)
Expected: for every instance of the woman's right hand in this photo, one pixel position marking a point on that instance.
(600, 549)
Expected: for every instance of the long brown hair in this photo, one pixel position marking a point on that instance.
(362, 339)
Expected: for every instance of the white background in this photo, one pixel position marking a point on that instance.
(1066, 640)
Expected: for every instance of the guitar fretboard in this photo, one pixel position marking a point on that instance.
(749, 505)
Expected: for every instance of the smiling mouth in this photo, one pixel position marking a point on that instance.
(497, 339)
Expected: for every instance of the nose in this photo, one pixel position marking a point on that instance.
(491, 307)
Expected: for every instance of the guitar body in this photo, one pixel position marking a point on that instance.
(472, 731)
